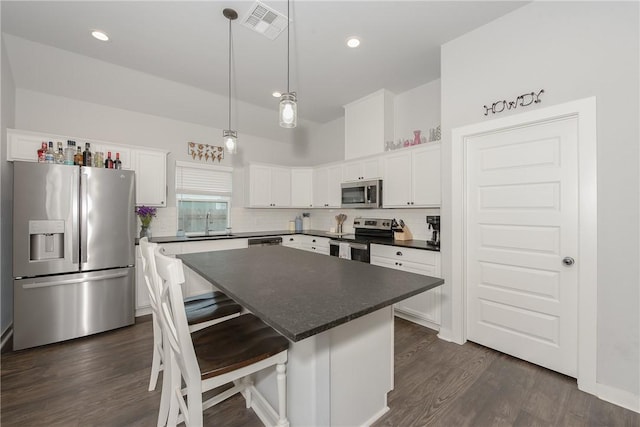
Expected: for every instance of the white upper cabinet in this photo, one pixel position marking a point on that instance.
(326, 186)
(412, 177)
(425, 182)
(151, 177)
(301, 187)
(397, 180)
(362, 169)
(368, 123)
(149, 164)
(268, 186)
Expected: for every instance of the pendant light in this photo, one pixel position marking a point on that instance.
(230, 137)
(288, 101)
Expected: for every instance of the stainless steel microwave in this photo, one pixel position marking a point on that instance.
(362, 194)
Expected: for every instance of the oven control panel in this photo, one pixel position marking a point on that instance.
(372, 223)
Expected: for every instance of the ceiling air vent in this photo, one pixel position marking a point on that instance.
(264, 20)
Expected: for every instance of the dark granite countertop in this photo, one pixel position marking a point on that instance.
(300, 293)
(415, 244)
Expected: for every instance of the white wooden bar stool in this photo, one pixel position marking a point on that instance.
(220, 354)
(201, 311)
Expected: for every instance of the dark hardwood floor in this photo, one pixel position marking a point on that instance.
(102, 381)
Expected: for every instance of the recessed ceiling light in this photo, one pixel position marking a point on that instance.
(276, 94)
(353, 42)
(103, 37)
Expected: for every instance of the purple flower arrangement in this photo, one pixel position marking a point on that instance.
(146, 214)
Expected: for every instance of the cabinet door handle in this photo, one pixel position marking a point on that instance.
(408, 203)
(399, 253)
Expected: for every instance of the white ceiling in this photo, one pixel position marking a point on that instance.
(187, 42)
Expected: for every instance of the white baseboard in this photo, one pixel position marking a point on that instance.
(619, 397)
(262, 408)
(5, 336)
(376, 417)
(415, 319)
(143, 311)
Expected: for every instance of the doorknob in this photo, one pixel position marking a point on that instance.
(568, 261)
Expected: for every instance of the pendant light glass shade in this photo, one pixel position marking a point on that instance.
(230, 139)
(288, 110)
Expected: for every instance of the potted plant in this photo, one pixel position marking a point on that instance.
(146, 215)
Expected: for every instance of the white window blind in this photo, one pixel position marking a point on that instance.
(194, 178)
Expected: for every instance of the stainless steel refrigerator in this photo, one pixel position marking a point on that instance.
(73, 252)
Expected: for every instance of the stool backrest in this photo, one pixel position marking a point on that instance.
(174, 318)
(151, 278)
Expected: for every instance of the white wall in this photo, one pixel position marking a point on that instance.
(417, 109)
(572, 50)
(7, 116)
(327, 142)
(46, 69)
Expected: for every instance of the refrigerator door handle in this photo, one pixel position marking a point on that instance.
(72, 281)
(83, 217)
(75, 250)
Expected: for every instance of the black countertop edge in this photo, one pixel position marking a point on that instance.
(364, 312)
(413, 244)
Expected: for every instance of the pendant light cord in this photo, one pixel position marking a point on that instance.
(288, 45)
(229, 74)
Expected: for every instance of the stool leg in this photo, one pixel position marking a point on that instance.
(281, 379)
(247, 390)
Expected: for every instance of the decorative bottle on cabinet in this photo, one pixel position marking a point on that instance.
(86, 155)
(416, 137)
(117, 164)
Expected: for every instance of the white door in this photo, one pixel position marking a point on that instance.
(522, 227)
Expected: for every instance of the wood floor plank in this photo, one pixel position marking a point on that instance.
(102, 380)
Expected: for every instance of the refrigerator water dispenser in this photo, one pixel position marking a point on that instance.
(46, 240)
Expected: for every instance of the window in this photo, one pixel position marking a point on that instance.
(203, 198)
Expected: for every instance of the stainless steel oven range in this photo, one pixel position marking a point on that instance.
(356, 246)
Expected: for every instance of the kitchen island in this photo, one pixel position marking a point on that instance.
(338, 315)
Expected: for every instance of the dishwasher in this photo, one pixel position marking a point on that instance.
(265, 241)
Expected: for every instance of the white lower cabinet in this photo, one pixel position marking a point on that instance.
(194, 283)
(423, 308)
(307, 243)
(142, 294)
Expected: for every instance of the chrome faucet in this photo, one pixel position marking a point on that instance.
(206, 225)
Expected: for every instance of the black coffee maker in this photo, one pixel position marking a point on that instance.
(433, 224)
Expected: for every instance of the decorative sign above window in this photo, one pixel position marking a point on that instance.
(523, 100)
(205, 152)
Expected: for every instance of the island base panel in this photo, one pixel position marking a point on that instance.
(340, 377)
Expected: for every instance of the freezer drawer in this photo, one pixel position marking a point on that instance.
(58, 308)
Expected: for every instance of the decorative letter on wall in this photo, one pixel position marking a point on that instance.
(523, 100)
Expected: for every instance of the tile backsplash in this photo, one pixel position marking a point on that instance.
(244, 219)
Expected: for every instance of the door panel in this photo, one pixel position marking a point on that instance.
(58, 308)
(45, 207)
(522, 221)
(109, 200)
